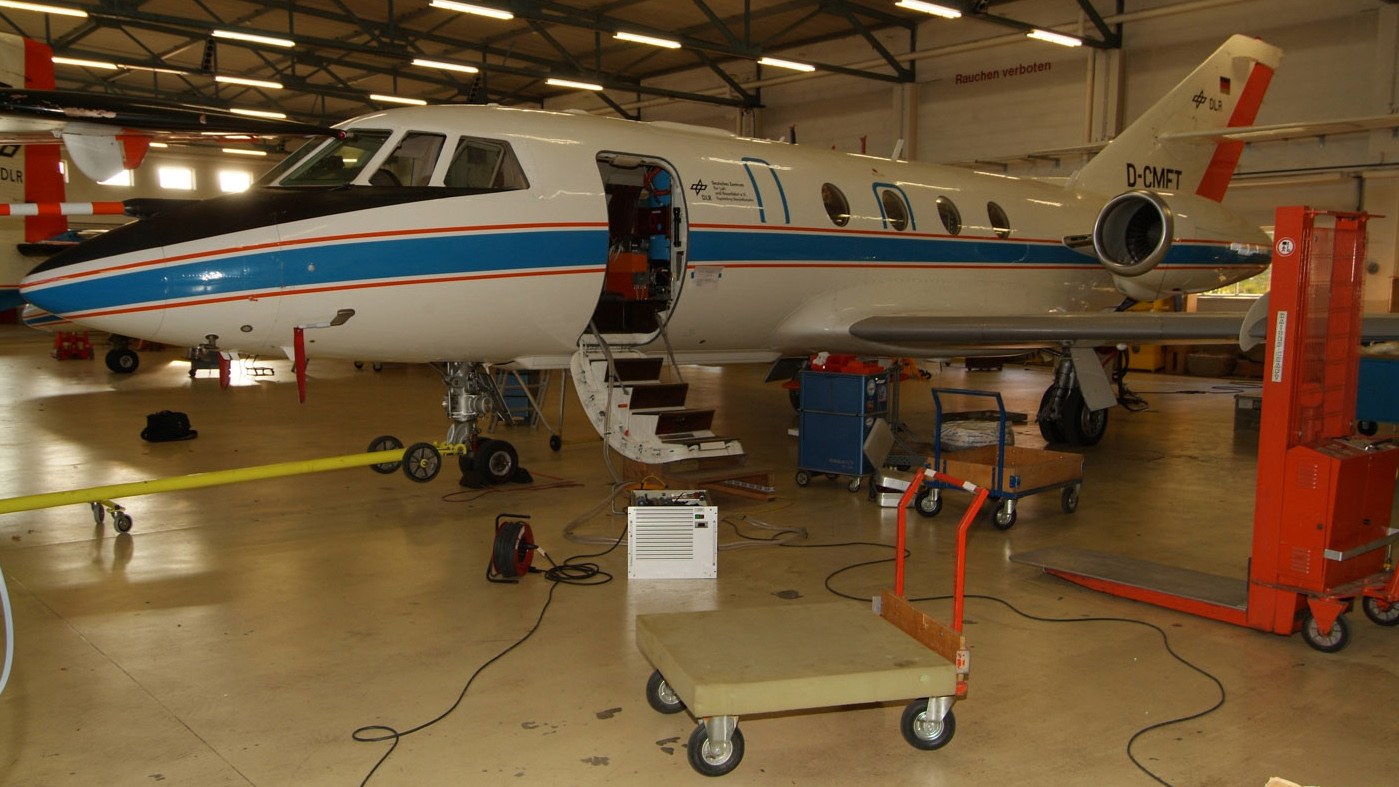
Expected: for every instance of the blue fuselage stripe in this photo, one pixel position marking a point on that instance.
(493, 254)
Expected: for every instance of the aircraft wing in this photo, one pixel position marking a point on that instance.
(913, 333)
(105, 133)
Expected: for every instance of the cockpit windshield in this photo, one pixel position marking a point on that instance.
(339, 162)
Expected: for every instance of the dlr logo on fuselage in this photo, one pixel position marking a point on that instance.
(1152, 177)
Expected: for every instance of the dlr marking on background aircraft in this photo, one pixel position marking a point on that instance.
(476, 236)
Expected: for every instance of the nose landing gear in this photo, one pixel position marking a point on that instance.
(471, 394)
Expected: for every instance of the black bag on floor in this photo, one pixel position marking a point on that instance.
(167, 425)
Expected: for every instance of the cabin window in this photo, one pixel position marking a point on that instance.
(291, 161)
(340, 162)
(411, 163)
(951, 217)
(837, 206)
(895, 211)
(485, 164)
(1000, 222)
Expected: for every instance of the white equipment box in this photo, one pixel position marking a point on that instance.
(672, 534)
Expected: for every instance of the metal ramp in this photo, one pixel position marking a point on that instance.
(1076, 564)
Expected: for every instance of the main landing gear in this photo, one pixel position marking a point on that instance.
(1064, 417)
(471, 394)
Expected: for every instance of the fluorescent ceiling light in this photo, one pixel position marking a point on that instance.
(418, 61)
(1054, 38)
(417, 102)
(929, 8)
(468, 8)
(73, 61)
(637, 38)
(248, 82)
(157, 70)
(44, 9)
(572, 84)
(780, 63)
(254, 39)
(160, 144)
(245, 151)
(259, 113)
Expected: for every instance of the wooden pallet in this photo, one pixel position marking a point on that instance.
(719, 474)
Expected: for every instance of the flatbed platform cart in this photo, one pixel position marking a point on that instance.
(1007, 472)
(723, 664)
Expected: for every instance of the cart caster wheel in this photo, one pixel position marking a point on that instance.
(1004, 516)
(922, 732)
(555, 442)
(1069, 499)
(121, 522)
(1330, 642)
(661, 696)
(854, 485)
(384, 443)
(707, 759)
(803, 478)
(422, 462)
(359, 364)
(1366, 428)
(1379, 612)
(99, 514)
(927, 502)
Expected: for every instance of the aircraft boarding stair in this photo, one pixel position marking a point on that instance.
(641, 417)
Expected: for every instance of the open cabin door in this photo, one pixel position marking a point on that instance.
(647, 245)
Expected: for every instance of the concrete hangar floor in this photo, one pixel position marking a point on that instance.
(241, 634)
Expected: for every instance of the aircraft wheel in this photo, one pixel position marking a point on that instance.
(384, 443)
(1052, 430)
(123, 360)
(496, 460)
(422, 462)
(1081, 425)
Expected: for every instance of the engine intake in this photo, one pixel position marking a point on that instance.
(1133, 233)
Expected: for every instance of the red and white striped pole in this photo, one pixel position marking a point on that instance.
(63, 209)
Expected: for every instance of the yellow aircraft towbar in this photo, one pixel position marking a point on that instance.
(100, 497)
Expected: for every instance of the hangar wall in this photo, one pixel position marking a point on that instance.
(996, 103)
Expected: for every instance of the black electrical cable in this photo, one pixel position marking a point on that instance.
(568, 572)
(1165, 640)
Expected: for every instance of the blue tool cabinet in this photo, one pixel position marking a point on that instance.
(837, 412)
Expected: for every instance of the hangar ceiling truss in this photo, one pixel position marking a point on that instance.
(349, 50)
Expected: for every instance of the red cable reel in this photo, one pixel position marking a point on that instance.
(513, 549)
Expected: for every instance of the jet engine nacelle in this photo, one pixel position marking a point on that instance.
(1135, 231)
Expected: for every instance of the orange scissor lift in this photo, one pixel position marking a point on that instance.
(1321, 523)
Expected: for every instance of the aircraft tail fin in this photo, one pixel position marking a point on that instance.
(1175, 145)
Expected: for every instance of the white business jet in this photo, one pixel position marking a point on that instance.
(483, 236)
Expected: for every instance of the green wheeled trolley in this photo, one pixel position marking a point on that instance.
(723, 664)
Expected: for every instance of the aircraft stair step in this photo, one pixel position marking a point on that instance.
(658, 396)
(694, 439)
(638, 369)
(670, 422)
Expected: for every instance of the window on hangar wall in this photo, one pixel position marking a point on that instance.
(234, 180)
(175, 178)
(122, 178)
